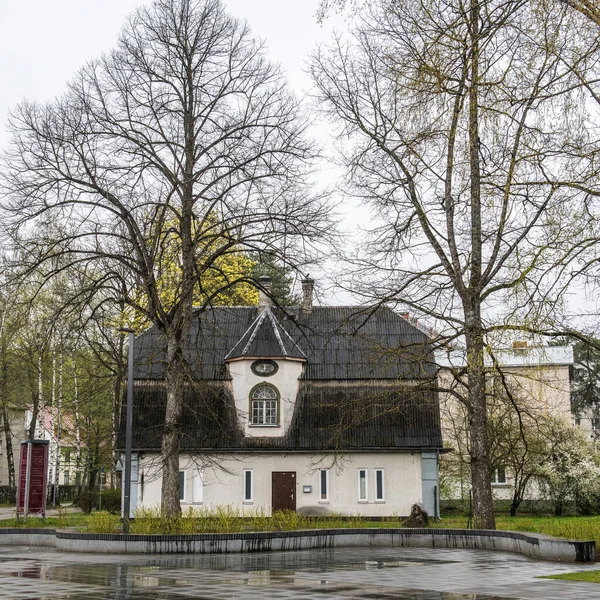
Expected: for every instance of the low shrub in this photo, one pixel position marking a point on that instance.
(87, 500)
(110, 500)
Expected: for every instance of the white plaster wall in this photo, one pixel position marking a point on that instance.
(286, 382)
(223, 484)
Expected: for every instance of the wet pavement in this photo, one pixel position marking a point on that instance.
(28, 573)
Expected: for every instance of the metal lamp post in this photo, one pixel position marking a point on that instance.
(128, 431)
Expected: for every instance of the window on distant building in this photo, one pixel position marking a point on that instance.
(323, 485)
(595, 423)
(264, 405)
(379, 486)
(66, 478)
(248, 485)
(499, 475)
(363, 494)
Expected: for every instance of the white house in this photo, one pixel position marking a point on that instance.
(313, 409)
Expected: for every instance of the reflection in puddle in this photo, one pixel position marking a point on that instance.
(302, 574)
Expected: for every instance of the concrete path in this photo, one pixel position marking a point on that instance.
(340, 574)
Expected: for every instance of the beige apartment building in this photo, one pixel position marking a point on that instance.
(533, 380)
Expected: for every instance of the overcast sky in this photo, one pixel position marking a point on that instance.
(42, 44)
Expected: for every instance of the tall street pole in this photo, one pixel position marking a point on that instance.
(128, 431)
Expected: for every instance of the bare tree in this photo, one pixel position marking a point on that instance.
(182, 145)
(588, 8)
(465, 127)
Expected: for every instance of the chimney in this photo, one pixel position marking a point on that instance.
(308, 285)
(265, 287)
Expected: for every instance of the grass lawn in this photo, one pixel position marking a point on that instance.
(591, 576)
(78, 520)
(227, 520)
(574, 528)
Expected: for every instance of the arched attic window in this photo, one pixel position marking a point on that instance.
(264, 405)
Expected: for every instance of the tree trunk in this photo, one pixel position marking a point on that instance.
(175, 375)
(38, 399)
(116, 408)
(514, 506)
(77, 429)
(178, 329)
(10, 458)
(56, 498)
(483, 506)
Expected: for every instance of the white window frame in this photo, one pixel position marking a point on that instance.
(258, 406)
(377, 498)
(259, 409)
(366, 479)
(248, 473)
(182, 489)
(198, 486)
(320, 488)
(495, 478)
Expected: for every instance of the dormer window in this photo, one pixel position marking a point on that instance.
(264, 368)
(264, 405)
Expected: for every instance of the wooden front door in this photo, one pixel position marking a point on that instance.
(284, 490)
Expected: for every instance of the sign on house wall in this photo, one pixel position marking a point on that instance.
(33, 477)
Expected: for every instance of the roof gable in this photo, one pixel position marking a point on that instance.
(265, 337)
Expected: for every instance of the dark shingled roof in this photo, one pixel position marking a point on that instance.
(342, 343)
(328, 417)
(266, 337)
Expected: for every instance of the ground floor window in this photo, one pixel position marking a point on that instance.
(324, 485)
(248, 485)
(181, 485)
(379, 485)
(499, 475)
(362, 485)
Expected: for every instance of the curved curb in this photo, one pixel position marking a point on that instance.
(530, 544)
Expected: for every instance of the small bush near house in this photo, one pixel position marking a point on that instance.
(87, 500)
(110, 500)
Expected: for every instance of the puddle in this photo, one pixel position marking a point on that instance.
(307, 574)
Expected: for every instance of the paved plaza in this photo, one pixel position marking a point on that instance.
(348, 573)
